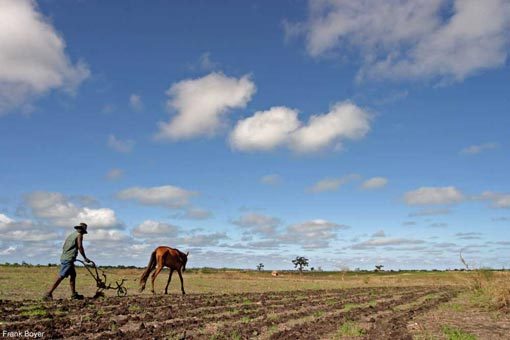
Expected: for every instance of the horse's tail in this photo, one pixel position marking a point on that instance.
(148, 270)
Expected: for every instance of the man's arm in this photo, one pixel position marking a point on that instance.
(80, 248)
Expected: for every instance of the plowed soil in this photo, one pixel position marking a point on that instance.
(379, 313)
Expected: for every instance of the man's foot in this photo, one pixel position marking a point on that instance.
(76, 296)
(47, 297)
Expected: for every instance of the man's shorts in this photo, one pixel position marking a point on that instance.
(67, 269)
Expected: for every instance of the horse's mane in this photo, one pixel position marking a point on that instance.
(182, 255)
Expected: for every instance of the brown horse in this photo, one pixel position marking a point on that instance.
(165, 257)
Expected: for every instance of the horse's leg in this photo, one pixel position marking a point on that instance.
(154, 275)
(182, 283)
(168, 282)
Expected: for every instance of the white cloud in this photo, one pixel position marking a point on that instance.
(122, 146)
(7, 251)
(60, 211)
(201, 104)
(410, 38)
(476, 149)
(103, 235)
(166, 195)
(280, 126)
(265, 130)
(114, 174)
(312, 234)
(344, 121)
(203, 240)
(98, 218)
(374, 183)
(135, 102)
(151, 228)
(385, 241)
(434, 196)
(4, 220)
(332, 184)
(197, 214)
(272, 179)
(258, 223)
(498, 200)
(23, 231)
(32, 55)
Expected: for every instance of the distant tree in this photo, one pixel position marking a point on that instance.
(260, 266)
(378, 268)
(312, 269)
(300, 262)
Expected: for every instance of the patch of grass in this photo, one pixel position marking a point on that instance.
(134, 308)
(34, 311)
(318, 313)
(247, 302)
(350, 328)
(453, 333)
(272, 316)
(456, 307)
(245, 319)
(349, 306)
(235, 336)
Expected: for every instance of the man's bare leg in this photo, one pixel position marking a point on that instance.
(72, 283)
(55, 285)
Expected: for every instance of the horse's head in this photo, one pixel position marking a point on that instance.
(184, 261)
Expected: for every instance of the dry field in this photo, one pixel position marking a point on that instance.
(242, 305)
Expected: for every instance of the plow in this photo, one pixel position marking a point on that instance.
(101, 281)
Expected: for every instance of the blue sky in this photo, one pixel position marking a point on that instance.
(354, 134)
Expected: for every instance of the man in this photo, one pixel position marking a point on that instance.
(72, 245)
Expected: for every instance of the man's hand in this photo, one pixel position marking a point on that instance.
(88, 260)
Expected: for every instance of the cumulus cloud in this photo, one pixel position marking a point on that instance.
(23, 231)
(135, 102)
(122, 146)
(151, 228)
(312, 234)
(280, 126)
(410, 39)
(332, 184)
(272, 179)
(498, 200)
(166, 196)
(345, 120)
(374, 183)
(46, 67)
(265, 130)
(434, 196)
(59, 210)
(201, 104)
(257, 223)
(476, 149)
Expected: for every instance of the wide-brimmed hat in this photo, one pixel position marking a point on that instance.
(82, 226)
